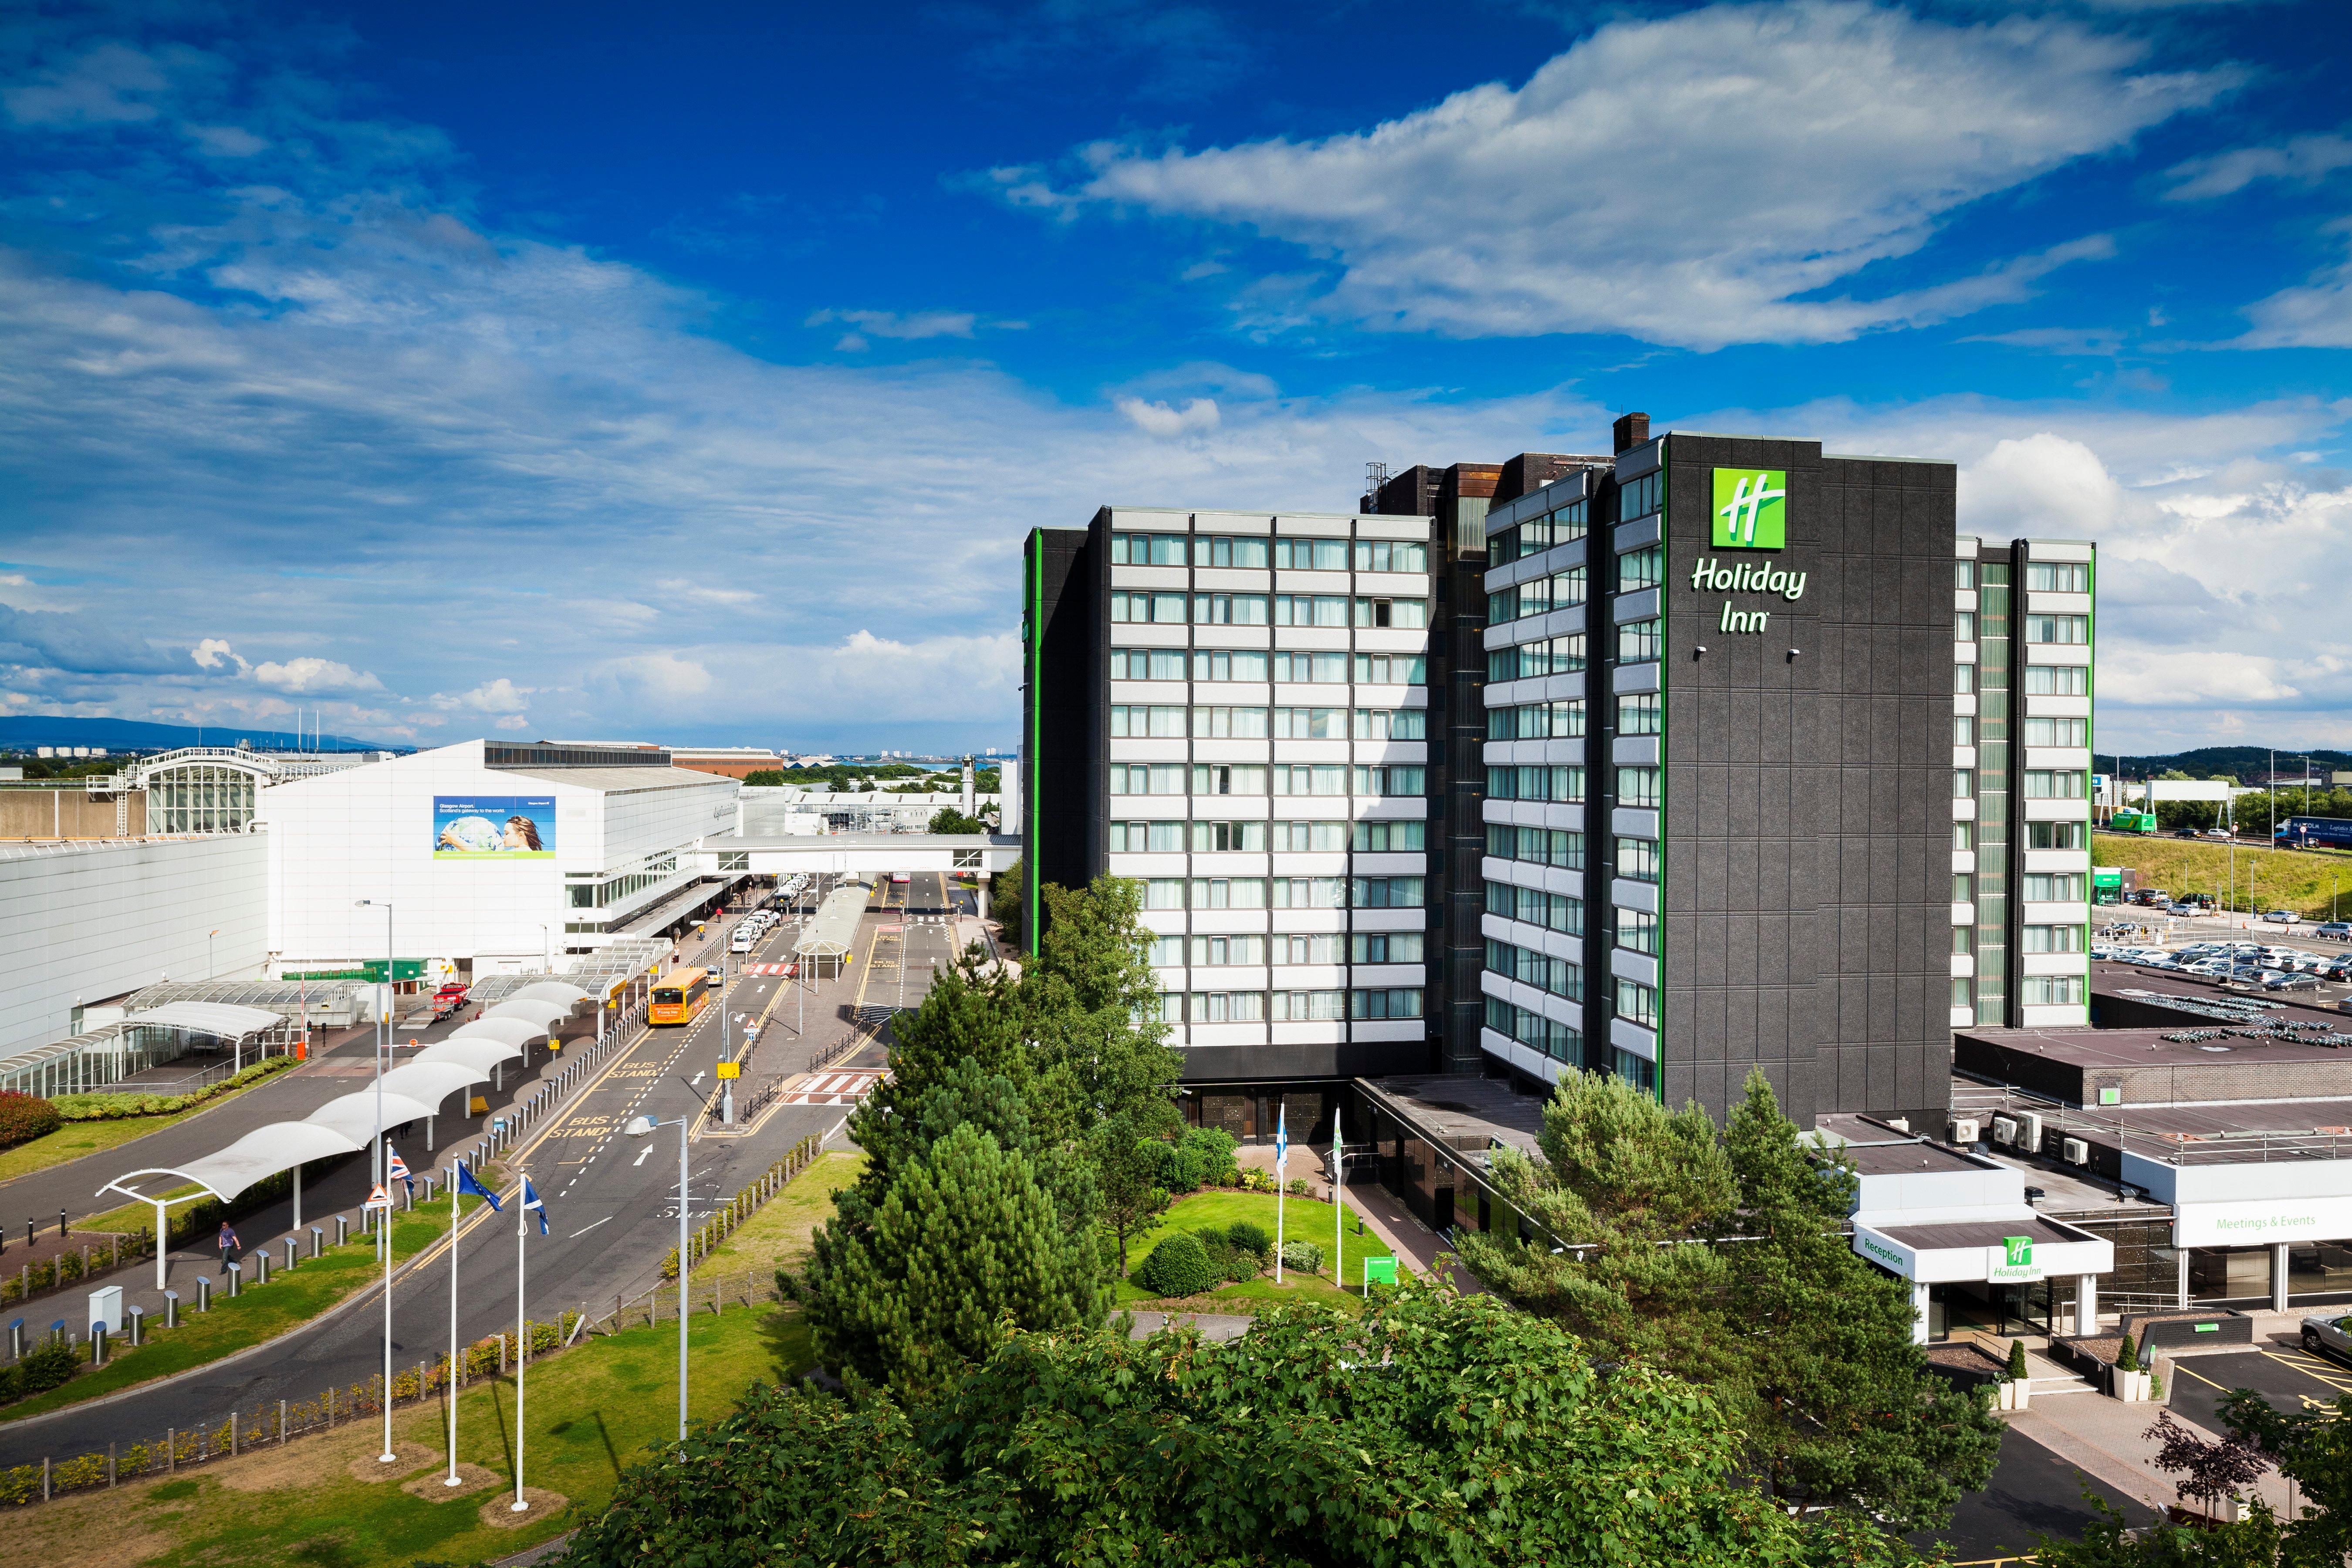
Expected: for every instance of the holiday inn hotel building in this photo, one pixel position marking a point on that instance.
(1715, 751)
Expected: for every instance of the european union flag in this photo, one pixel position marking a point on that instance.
(466, 1184)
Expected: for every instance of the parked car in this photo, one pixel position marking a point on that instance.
(2334, 930)
(2282, 916)
(2327, 1331)
(2180, 908)
(2291, 983)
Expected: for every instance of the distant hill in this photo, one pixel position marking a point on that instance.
(2243, 763)
(22, 734)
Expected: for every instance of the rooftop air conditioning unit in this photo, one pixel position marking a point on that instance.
(2077, 1152)
(1962, 1129)
(2004, 1129)
(2029, 1131)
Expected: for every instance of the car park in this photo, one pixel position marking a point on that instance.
(2291, 983)
(2334, 930)
(2328, 1331)
(2282, 916)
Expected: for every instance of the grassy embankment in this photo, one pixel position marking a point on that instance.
(75, 1138)
(2310, 882)
(1303, 1219)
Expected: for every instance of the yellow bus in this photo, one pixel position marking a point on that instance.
(679, 996)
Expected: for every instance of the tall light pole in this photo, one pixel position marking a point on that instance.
(546, 950)
(643, 1127)
(383, 1229)
(211, 953)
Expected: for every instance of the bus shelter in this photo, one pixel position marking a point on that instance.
(825, 945)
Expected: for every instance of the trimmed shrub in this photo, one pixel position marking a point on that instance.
(2127, 1357)
(1218, 1248)
(1229, 1177)
(1179, 1266)
(1304, 1257)
(2017, 1367)
(1257, 1237)
(117, 1107)
(25, 1117)
(1297, 1188)
(47, 1367)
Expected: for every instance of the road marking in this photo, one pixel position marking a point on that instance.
(640, 1158)
(584, 1230)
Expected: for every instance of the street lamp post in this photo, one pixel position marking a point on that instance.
(383, 1225)
(643, 1127)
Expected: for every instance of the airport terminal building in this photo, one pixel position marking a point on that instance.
(1634, 763)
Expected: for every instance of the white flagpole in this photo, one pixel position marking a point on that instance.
(522, 1226)
(449, 1384)
(1338, 1214)
(1281, 1157)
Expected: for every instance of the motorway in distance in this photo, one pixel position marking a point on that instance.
(612, 1201)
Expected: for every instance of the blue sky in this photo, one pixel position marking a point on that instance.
(694, 373)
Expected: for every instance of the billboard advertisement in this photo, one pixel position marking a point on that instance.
(493, 827)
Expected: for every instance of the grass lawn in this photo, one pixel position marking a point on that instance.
(2309, 882)
(1303, 1219)
(262, 1312)
(591, 1411)
(75, 1138)
(780, 1229)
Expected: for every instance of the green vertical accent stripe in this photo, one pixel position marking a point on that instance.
(1665, 487)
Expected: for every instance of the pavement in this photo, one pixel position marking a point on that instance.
(613, 1207)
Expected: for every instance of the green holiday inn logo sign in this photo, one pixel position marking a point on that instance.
(1751, 508)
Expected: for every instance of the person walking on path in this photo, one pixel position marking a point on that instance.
(229, 1244)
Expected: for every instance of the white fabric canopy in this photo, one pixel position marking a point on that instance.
(261, 1153)
(479, 1052)
(354, 1115)
(542, 1014)
(430, 1083)
(551, 990)
(225, 1019)
(506, 1031)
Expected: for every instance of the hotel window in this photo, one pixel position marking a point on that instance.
(2040, 784)
(2058, 576)
(2057, 681)
(1166, 953)
(1135, 723)
(1147, 549)
(1311, 554)
(1568, 587)
(1226, 837)
(1163, 892)
(1638, 569)
(1311, 836)
(1310, 778)
(1228, 778)
(1641, 713)
(1310, 893)
(1229, 609)
(1221, 723)
(1403, 613)
(2057, 629)
(1964, 625)
(1223, 550)
(1536, 845)
(1319, 947)
(2053, 888)
(1564, 786)
(1393, 668)
(1147, 838)
(1311, 610)
(2073, 732)
(1163, 608)
(1395, 1002)
(1391, 724)
(1637, 787)
(1533, 906)
(1310, 723)
(1391, 781)
(1963, 993)
(1561, 1042)
(1229, 892)
(1638, 860)
(1379, 838)
(1228, 1007)
(1222, 664)
(1964, 730)
(1964, 888)
(1311, 668)
(2056, 835)
(1385, 947)
(1381, 556)
(1171, 1008)
(1149, 778)
(1640, 498)
(2052, 938)
(1964, 940)
(1964, 679)
(1964, 575)
(1149, 664)
(1310, 1006)
(1640, 640)
(1964, 835)
(1637, 1002)
(1223, 951)
(1387, 893)
(1963, 784)
(1637, 931)
(2051, 990)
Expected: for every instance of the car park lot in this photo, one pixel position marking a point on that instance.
(2282, 1371)
(2236, 963)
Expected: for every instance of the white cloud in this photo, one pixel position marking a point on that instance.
(2316, 314)
(1160, 419)
(500, 695)
(2302, 161)
(212, 653)
(909, 326)
(514, 722)
(2042, 484)
(1641, 183)
(676, 588)
(112, 82)
(654, 680)
(311, 674)
(226, 141)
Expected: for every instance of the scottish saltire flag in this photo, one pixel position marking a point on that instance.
(398, 1170)
(1281, 1139)
(466, 1184)
(533, 1202)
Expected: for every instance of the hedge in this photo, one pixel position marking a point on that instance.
(1179, 1266)
(25, 1117)
(117, 1107)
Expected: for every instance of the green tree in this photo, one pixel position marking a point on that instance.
(1091, 1004)
(1435, 1430)
(764, 778)
(947, 819)
(1004, 905)
(962, 1242)
(1126, 1166)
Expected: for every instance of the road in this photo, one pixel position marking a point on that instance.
(612, 1202)
(2286, 1374)
(2032, 1490)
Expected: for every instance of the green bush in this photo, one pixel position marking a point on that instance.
(1179, 1266)
(1249, 1233)
(42, 1369)
(1297, 1186)
(1302, 1256)
(119, 1107)
(2127, 1357)
(1218, 1248)
(25, 1117)
(2017, 1368)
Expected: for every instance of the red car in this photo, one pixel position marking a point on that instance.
(448, 999)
